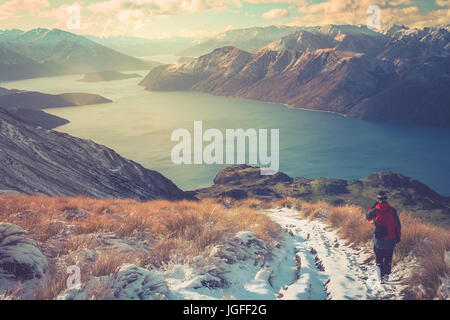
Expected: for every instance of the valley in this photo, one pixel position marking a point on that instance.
(101, 178)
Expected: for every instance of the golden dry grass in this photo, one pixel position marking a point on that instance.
(187, 228)
(427, 242)
(351, 223)
(313, 210)
(174, 229)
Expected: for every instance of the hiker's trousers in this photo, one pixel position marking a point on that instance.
(384, 260)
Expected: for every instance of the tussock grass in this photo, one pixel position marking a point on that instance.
(184, 229)
(180, 229)
(351, 223)
(287, 202)
(314, 210)
(427, 242)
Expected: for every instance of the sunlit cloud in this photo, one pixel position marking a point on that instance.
(355, 12)
(276, 14)
(443, 3)
(162, 7)
(154, 18)
(14, 8)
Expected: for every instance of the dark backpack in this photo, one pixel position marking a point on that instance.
(380, 232)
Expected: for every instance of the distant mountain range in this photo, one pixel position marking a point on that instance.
(39, 161)
(108, 76)
(401, 75)
(43, 52)
(140, 47)
(27, 105)
(249, 39)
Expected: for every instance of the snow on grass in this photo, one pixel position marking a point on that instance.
(343, 276)
(311, 263)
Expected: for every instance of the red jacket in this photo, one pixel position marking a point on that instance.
(386, 218)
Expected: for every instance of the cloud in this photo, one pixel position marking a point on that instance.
(443, 3)
(355, 12)
(13, 8)
(276, 14)
(275, 1)
(163, 7)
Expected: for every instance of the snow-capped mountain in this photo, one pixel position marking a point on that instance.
(16, 66)
(249, 39)
(414, 43)
(59, 52)
(347, 38)
(348, 70)
(140, 47)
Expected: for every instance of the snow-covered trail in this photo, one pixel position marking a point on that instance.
(327, 267)
(310, 263)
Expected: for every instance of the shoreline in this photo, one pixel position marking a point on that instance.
(326, 111)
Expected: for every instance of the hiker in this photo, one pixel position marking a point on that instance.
(387, 233)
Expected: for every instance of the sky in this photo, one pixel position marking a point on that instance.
(204, 18)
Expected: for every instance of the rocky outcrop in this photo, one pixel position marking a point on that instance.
(134, 283)
(342, 69)
(20, 259)
(35, 160)
(405, 193)
(242, 174)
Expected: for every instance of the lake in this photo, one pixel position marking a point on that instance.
(138, 125)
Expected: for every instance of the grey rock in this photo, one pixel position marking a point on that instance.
(20, 259)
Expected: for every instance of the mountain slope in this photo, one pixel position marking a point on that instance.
(14, 66)
(355, 76)
(35, 160)
(345, 38)
(26, 105)
(139, 47)
(249, 39)
(60, 52)
(406, 194)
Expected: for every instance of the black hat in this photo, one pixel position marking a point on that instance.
(382, 196)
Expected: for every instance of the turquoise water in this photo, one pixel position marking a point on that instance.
(138, 125)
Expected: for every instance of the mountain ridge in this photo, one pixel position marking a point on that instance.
(405, 193)
(46, 52)
(39, 161)
(367, 83)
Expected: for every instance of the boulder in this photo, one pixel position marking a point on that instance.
(20, 259)
(134, 283)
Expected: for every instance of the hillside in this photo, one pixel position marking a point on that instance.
(27, 105)
(140, 47)
(209, 249)
(35, 160)
(405, 194)
(14, 66)
(43, 52)
(349, 71)
(249, 39)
